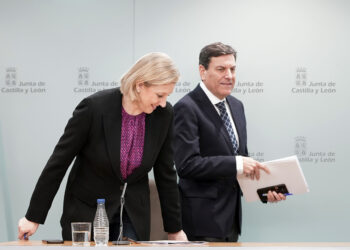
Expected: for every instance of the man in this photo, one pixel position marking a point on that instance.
(211, 149)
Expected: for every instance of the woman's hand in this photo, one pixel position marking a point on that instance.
(26, 228)
(180, 236)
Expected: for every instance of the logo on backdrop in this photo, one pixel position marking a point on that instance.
(305, 86)
(308, 156)
(11, 77)
(85, 85)
(183, 87)
(83, 76)
(258, 156)
(15, 86)
(248, 88)
(300, 146)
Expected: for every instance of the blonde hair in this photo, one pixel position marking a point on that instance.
(155, 68)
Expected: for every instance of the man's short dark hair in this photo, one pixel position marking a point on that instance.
(215, 50)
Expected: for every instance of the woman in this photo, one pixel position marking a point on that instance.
(116, 136)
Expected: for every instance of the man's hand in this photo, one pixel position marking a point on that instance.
(251, 168)
(26, 228)
(181, 236)
(272, 196)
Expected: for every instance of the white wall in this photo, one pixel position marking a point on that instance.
(281, 46)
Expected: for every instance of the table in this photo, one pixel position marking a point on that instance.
(244, 245)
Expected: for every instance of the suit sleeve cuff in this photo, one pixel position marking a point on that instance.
(239, 164)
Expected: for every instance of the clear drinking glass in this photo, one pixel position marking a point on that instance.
(81, 233)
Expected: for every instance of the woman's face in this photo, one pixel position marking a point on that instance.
(150, 97)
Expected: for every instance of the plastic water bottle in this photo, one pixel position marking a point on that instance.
(101, 224)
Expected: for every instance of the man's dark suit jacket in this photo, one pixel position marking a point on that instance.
(204, 158)
(92, 135)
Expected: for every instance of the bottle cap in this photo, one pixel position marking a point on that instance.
(99, 201)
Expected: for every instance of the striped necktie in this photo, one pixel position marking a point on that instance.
(228, 125)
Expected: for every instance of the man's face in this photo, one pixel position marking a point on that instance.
(220, 76)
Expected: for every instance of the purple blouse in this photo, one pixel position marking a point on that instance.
(132, 142)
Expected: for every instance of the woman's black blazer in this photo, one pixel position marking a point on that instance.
(92, 137)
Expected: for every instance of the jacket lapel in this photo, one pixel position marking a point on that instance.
(203, 101)
(112, 128)
(149, 147)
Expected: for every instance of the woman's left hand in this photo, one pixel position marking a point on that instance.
(181, 236)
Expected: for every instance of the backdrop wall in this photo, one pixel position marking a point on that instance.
(292, 76)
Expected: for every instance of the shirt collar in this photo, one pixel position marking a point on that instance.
(213, 99)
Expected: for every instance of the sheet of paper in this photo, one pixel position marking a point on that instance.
(172, 242)
(283, 171)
